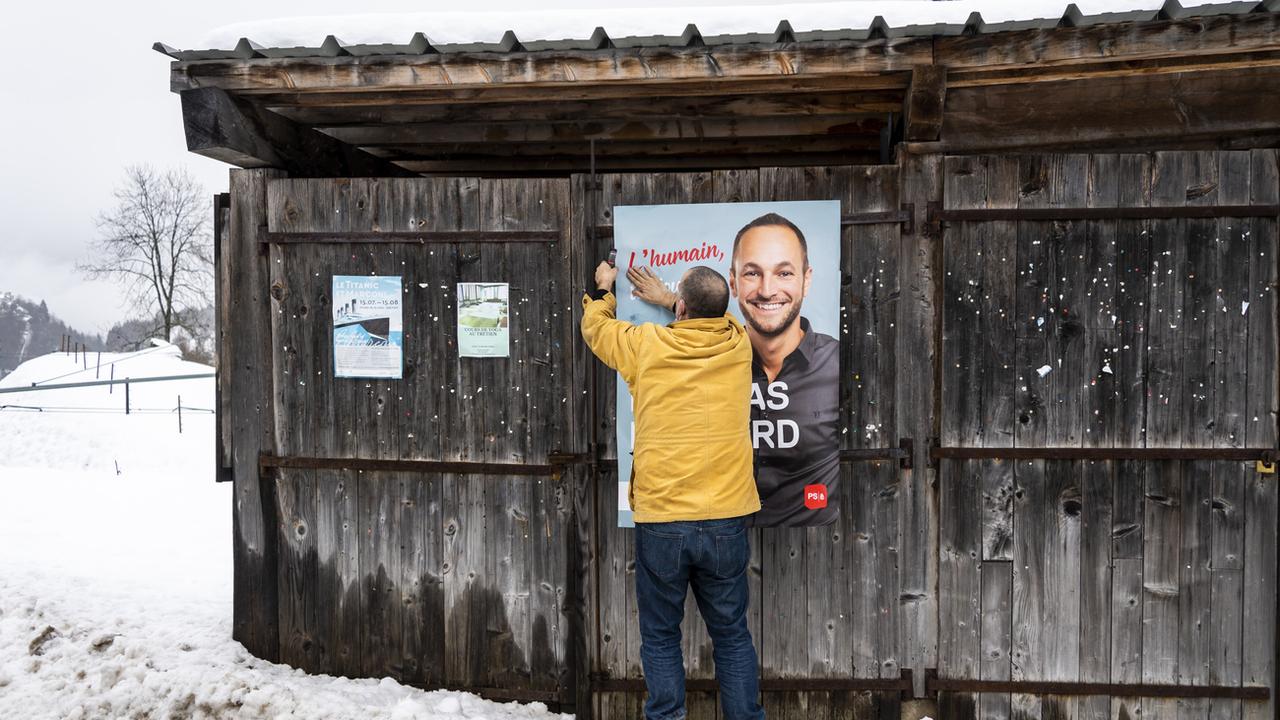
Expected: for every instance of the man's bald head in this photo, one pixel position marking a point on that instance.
(705, 293)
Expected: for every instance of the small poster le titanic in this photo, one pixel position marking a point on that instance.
(367, 327)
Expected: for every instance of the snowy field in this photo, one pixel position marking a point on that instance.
(115, 564)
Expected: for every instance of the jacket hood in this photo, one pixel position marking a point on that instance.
(705, 337)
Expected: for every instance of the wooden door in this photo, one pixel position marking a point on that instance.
(423, 526)
(1124, 326)
(825, 601)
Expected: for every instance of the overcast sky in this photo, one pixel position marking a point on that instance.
(84, 95)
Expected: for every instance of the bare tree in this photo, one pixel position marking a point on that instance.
(156, 242)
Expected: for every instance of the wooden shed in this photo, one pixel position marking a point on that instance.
(1059, 371)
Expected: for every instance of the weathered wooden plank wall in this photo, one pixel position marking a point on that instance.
(1124, 334)
(438, 579)
(1101, 333)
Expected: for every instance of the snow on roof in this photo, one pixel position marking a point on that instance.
(469, 27)
(495, 28)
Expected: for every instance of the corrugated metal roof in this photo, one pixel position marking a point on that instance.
(420, 44)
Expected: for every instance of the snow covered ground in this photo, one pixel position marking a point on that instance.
(115, 564)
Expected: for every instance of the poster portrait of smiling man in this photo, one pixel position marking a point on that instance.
(782, 262)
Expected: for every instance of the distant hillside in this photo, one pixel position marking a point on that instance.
(28, 330)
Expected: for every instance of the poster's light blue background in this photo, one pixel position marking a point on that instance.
(675, 227)
(389, 289)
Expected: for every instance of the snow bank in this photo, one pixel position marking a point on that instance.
(66, 659)
(551, 24)
(62, 657)
(115, 567)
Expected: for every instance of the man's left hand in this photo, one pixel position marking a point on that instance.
(649, 287)
(605, 274)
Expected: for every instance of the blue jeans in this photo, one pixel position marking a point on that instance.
(712, 556)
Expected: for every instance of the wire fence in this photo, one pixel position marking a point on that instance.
(127, 409)
(104, 411)
(112, 383)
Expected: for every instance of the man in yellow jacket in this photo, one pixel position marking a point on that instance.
(691, 484)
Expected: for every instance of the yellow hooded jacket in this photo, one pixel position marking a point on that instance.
(690, 384)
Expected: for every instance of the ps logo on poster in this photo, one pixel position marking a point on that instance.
(815, 496)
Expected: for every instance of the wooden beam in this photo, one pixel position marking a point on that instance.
(1120, 68)
(609, 130)
(1111, 112)
(561, 165)
(246, 350)
(398, 108)
(922, 110)
(638, 90)
(666, 65)
(866, 142)
(233, 131)
(1248, 140)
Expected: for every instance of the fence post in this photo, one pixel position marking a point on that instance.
(126, 396)
(84, 358)
(97, 368)
(111, 389)
(179, 414)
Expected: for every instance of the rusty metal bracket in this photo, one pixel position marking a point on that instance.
(1101, 453)
(264, 247)
(877, 218)
(267, 463)
(1105, 213)
(902, 453)
(902, 685)
(904, 217)
(934, 684)
(409, 237)
(558, 458)
(933, 220)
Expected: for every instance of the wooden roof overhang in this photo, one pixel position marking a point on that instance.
(1205, 81)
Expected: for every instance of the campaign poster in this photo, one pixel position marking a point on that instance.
(484, 320)
(782, 262)
(367, 327)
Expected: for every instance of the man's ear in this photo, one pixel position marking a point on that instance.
(733, 283)
(808, 278)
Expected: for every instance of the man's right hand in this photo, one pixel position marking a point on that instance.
(605, 273)
(650, 288)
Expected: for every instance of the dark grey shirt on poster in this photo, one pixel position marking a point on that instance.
(795, 428)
